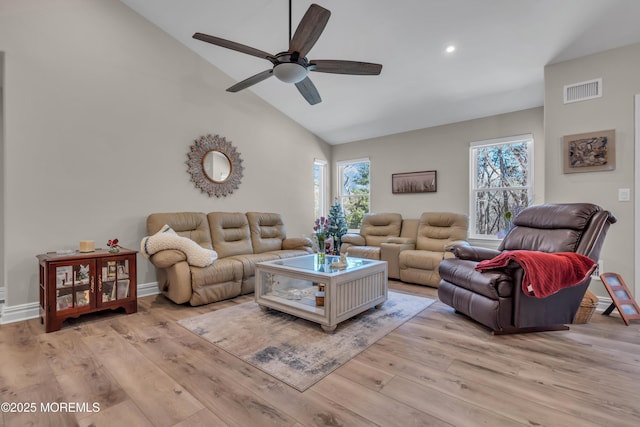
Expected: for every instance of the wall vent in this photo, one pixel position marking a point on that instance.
(583, 91)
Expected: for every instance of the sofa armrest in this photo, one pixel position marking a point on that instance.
(303, 243)
(473, 253)
(354, 239)
(391, 251)
(451, 246)
(168, 257)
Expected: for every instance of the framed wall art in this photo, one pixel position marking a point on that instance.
(589, 152)
(414, 182)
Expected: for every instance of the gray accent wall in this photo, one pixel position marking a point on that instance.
(619, 69)
(446, 150)
(100, 110)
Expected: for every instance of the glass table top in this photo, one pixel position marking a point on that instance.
(311, 263)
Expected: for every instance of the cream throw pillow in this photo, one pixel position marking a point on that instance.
(167, 238)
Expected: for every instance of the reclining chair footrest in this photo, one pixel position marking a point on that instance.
(531, 329)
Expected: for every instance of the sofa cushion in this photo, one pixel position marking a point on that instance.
(426, 260)
(222, 270)
(230, 233)
(369, 252)
(438, 229)
(267, 231)
(289, 253)
(249, 262)
(193, 225)
(376, 228)
(221, 280)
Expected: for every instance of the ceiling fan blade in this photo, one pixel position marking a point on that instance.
(309, 30)
(251, 81)
(309, 91)
(234, 46)
(345, 67)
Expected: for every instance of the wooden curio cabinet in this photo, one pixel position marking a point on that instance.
(78, 283)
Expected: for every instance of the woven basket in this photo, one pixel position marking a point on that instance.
(587, 308)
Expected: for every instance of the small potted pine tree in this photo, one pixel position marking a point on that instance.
(337, 225)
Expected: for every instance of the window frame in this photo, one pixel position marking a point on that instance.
(340, 166)
(473, 187)
(320, 205)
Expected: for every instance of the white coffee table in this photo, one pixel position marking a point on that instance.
(289, 285)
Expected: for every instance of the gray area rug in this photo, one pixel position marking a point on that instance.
(296, 351)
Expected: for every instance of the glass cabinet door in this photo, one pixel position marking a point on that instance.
(115, 280)
(74, 285)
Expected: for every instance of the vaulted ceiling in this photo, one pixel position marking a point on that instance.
(502, 47)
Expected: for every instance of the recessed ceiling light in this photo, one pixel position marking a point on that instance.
(450, 49)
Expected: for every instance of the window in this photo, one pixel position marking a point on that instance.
(501, 183)
(353, 190)
(320, 187)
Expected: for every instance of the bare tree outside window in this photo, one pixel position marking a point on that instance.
(354, 191)
(502, 184)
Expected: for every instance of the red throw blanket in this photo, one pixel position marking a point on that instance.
(544, 273)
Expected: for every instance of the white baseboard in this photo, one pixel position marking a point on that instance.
(147, 289)
(31, 310)
(16, 313)
(603, 303)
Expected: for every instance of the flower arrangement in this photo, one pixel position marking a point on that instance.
(113, 245)
(321, 228)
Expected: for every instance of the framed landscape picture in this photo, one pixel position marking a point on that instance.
(589, 152)
(414, 182)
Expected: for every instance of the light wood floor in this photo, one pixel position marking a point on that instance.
(437, 369)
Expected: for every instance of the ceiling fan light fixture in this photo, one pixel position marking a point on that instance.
(290, 72)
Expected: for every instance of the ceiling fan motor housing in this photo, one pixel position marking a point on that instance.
(290, 67)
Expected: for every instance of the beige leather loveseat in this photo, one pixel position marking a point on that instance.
(413, 248)
(240, 241)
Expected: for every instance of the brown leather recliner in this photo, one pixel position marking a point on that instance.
(495, 298)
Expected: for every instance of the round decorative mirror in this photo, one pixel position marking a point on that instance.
(215, 165)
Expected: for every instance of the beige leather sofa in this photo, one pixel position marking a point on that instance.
(375, 229)
(413, 248)
(240, 240)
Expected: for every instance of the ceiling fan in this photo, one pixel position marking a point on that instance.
(292, 66)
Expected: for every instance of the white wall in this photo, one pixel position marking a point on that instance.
(100, 110)
(615, 110)
(2, 183)
(444, 149)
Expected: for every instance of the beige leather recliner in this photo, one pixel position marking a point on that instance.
(240, 240)
(437, 232)
(375, 229)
